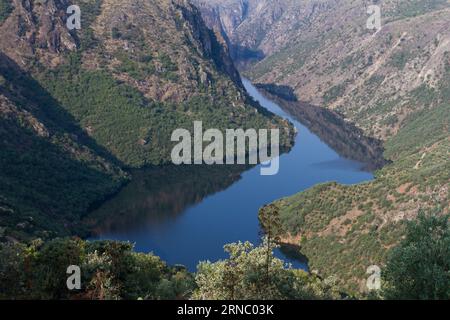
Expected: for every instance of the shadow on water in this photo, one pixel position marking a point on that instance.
(292, 253)
(244, 57)
(344, 137)
(156, 196)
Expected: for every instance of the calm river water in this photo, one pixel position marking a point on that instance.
(187, 214)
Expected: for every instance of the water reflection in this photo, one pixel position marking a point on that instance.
(344, 137)
(187, 214)
(156, 196)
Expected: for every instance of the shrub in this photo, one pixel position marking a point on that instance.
(419, 268)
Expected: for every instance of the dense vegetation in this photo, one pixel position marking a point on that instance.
(419, 268)
(51, 171)
(111, 270)
(134, 129)
(243, 276)
(120, 115)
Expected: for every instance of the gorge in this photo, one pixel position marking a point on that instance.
(86, 117)
(196, 230)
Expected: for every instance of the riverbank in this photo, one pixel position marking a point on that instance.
(187, 214)
(344, 229)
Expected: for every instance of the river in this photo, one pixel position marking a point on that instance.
(187, 214)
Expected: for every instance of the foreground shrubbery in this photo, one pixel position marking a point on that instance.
(248, 274)
(111, 270)
(419, 268)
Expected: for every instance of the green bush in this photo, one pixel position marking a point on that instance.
(399, 60)
(243, 277)
(109, 270)
(419, 268)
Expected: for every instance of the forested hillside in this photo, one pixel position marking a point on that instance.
(78, 107)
